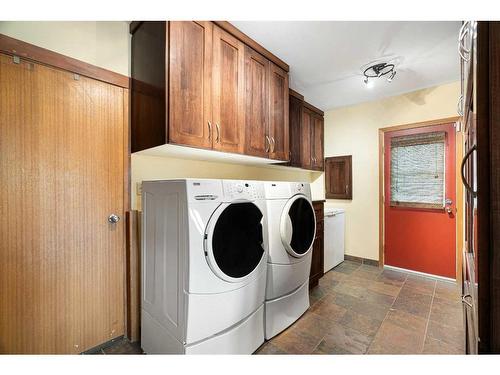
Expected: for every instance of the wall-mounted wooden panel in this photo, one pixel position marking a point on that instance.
(62, 144)
(338, 177)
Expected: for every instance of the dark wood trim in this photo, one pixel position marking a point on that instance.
(133, 279)
(352, 258)
(27, 51)
(295, 94)
(314, 109)
(226, 26)
(134, 25)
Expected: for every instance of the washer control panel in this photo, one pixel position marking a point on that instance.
(300, 187)
(236, 189)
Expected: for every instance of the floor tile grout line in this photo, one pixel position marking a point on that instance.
(387, 313)
(429, 316)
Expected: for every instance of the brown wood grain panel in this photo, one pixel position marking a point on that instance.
(228, 95)
(278, 113)
(295, 119)
(256, 104)
(190, 71)
(296, 95)
(305, 138)
(338, 177)
(317, 142)
(44, 56)
(252, 44)
(149, 74)
(133, 278)
(62, 171)
(317, 261)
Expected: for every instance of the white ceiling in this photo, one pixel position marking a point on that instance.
(326, 57)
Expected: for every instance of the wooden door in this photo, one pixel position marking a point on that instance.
(256, 104)
(317, 143)
(228, 95)
(338, 177)
(419, 178)
(295, 118)
(62, 155)
(278, 113)
(305, 145)
(190, 69)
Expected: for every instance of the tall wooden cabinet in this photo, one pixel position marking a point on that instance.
(479, 104)
(222, 94)
(306, 134)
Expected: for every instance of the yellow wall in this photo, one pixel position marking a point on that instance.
(146, 167)
(354, 131)
(105, 44)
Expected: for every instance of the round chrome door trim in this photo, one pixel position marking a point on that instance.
(208, 245)
(286, 230)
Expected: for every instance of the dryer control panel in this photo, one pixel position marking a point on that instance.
(240, 189)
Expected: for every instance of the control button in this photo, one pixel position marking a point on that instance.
(299, 187)
(239, 188)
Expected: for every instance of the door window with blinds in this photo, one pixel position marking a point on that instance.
(418, 170)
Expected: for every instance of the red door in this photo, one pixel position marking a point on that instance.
(419, 190)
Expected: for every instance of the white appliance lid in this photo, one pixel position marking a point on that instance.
(333, 211)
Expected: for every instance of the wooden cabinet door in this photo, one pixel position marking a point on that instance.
(190, 69)
(295, 118)
(228, 95)
(256, 104)
(278, 113)
(317, 259)
(317, 142)
(338, 177)
(62, 173)
(305, 145)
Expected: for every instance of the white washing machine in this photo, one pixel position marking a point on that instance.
(291, 228)
(204, 251)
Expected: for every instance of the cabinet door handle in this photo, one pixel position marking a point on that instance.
(217, 140)
(462, 50)
(347, 189)
(268, 144)
(460, 105)
(273, 144)
(464, 300)
(209, 131)
(462, 166)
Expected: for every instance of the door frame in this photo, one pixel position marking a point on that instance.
(459, 231)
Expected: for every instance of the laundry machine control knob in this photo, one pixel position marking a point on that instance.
(299, 187)
(239, 188)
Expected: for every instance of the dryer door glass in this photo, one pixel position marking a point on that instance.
(303, 225)
(237, 239)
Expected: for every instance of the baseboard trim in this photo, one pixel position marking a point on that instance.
(353, 258)
(428, 275)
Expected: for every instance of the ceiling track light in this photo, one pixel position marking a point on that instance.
(379, 70)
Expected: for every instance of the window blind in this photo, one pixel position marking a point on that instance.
(418, 170)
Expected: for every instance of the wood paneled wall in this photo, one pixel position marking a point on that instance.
(63, 165)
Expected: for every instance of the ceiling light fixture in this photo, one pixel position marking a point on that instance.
(379, 70)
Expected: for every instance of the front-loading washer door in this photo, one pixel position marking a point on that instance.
(234, 241)
(298, 226)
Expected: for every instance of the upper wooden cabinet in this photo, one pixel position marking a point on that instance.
(221, 94)
(278, 113)
(306, 134)
(189, 84)
(256, 103)
(228, 94)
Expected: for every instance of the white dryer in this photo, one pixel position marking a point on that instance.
(203, 266)
(291, 228)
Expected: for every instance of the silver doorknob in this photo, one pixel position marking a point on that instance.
(113, 218)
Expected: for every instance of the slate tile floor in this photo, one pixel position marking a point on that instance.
(358, 309)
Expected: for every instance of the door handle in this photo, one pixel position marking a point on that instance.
(113, 218)
(462, 166)
(273, 144)
(268, 143)
(217, 140)
(464, 300)
(209, 131)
